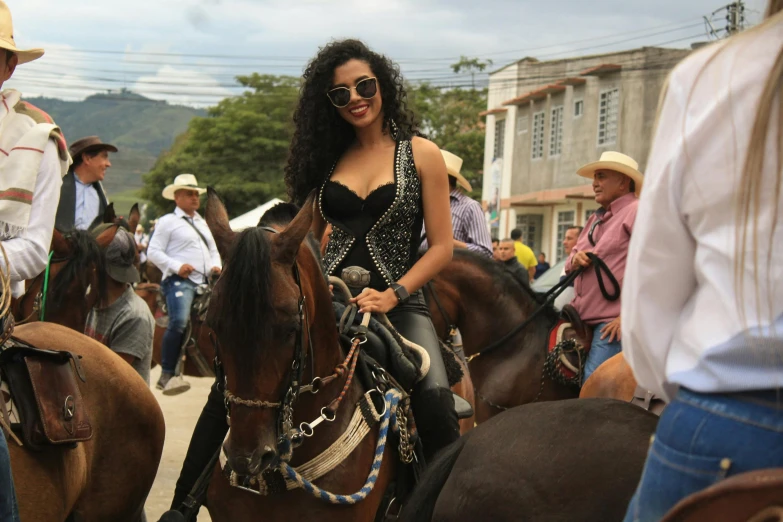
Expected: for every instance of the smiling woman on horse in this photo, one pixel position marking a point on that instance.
(357, 144)
(705, 325)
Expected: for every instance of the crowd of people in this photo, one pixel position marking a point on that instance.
(695, 253)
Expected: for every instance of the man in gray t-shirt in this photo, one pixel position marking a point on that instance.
(124, 322)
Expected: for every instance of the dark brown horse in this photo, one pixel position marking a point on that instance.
(109, 476)
(74, 282)
(485, 302)
(573, 460)
(74, 279)
(261, 330)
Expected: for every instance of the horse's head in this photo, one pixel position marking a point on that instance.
(259, 316)
(111, 217)
(70, 286)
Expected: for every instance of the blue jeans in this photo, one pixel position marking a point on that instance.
(9, 511)
(704, 438)
(600, 351)
(179, 294)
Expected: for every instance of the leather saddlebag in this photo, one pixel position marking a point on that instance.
(45, 390)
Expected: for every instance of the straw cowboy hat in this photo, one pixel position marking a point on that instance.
(7, 37)
(453, 166)
(617, 162)
(183, 181)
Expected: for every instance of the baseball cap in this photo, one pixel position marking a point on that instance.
(120, 256)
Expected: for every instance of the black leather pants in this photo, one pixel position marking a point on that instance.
(208, 435)
(432, 401)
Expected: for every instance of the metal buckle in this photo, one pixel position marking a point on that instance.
(355, 276)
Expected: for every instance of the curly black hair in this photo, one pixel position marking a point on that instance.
(321, 136)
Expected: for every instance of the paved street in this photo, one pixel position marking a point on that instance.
(181, 413)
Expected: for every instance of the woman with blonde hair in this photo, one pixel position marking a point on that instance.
(705, 267)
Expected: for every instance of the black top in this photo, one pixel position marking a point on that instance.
(343, 206)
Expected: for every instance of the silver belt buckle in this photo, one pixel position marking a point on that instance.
(356, 277)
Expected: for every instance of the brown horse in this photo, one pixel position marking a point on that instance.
(74, 279)
(269, 304)
(74, 282)
(485, 302)
(109, 476)
(612, 380)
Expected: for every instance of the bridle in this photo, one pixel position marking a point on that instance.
(288, 436)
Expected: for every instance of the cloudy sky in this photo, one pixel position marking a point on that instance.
(189, 51)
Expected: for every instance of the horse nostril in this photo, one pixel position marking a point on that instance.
(267, 458)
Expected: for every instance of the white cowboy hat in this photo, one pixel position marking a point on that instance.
(617, 162)
(7, 37)
(453, 166)
(183, 181)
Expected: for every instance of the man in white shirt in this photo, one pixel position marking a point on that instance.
(82, 198)
(34, 161)
(185, 251)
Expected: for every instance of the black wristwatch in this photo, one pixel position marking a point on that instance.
(402, 295)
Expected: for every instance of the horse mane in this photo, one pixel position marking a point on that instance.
(511, 284)
(245, 292)
(84, 252)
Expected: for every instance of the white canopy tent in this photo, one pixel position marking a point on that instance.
(250, 219)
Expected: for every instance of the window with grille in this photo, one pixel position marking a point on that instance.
(565, 220)
(579, 108)
(537, 147)
(522, 124)
(531, 226)
(500, 137)
(556, 132)
(608, 113)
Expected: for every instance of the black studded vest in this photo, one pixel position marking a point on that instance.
(381, 233)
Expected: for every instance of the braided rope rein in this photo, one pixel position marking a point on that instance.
(391, 399)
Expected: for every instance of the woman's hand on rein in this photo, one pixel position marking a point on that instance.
(374, 301)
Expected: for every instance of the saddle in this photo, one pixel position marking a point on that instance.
(755, 496)
(46, 399)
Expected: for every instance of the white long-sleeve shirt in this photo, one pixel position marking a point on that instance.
(28, 253)
(683, 325)
(175, 243)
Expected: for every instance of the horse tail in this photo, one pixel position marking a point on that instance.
(421, 504)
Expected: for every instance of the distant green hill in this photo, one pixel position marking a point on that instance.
(141, 129)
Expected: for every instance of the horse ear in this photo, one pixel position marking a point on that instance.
(109, 215)
(287, 243)
(217, 220)
(134, 217)
(60, 246)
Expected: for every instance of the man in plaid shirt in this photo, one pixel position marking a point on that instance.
(467, 217)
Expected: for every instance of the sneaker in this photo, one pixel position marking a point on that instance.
(164, 380)
(176, 385)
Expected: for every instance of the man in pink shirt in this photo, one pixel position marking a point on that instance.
(617, 183)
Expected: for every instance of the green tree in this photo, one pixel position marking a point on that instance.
(240, 147)
(450, 118)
